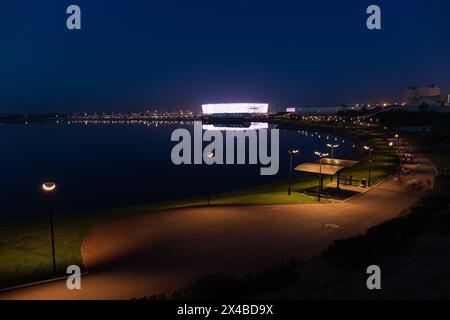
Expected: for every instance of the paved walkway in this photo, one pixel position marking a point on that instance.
(152, 253)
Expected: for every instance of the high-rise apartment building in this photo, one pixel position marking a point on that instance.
(414, 94)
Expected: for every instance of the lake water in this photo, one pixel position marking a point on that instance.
(111, 165)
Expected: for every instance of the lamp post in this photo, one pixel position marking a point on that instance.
(291, 153)
(397, 136)
(398, 144)
(49, 187)
(320, 155)
(370, 161)
(332, 146)
(209, 155)
(390, 147)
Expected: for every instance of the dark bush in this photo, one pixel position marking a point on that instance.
(396, 235)
(227, 286)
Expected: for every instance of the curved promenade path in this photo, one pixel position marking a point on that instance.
(156, 252)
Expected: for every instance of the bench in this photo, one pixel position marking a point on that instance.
(354, 182)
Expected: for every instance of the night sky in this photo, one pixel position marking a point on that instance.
(139, 55)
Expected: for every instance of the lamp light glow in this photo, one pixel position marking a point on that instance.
(48, 186)
(321, 154)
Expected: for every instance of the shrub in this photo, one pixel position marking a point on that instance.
(396, 235)
(227, 286)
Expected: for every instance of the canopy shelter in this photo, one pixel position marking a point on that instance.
(327, 169)
(338, 162)
(327, 166)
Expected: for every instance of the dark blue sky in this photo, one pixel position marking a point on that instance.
(133, 55)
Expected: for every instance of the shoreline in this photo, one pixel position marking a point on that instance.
(99, 242)
(169, 201)
(90, 220)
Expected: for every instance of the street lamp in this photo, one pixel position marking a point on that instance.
(209, 155)
(291, 153)
(398, 154)
(398, 144)
(370, 161)
(49, 187)
(390, 147)
(320, 155)
(332, 146)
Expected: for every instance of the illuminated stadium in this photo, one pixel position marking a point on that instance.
(234, 110)
(236, 127)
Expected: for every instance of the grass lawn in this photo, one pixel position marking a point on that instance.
(382, 164)
(25, 245)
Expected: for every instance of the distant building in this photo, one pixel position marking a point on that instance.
(430, 94)
(234, 110)
(317, 111)
(290, 110)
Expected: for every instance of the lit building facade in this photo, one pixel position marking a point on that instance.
(235, 108)
(417, 95)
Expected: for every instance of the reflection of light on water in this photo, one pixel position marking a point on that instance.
(129, 122)
(252, 126)
(322, 136)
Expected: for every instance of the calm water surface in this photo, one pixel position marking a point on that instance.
(110, 165)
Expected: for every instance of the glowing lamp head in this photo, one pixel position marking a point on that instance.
(391, 144)
(293, 151)
(210, 154)
(320, 154)
(48, 186)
